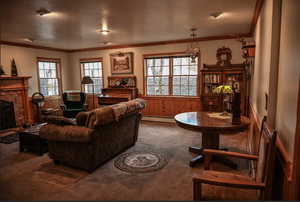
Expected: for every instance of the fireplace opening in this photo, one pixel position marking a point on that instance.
(7, 115)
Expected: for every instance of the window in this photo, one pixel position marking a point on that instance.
(92, 68)
(171, 75)
(49, 76)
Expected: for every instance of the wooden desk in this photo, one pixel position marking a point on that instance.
(211, 129)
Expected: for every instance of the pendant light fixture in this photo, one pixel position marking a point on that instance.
(193, 49)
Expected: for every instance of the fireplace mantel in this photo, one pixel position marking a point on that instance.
(15, 89)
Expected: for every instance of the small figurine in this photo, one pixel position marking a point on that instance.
(14, 71)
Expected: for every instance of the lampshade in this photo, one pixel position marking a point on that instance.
(87, 80)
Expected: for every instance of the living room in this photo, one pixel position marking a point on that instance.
(151, 78)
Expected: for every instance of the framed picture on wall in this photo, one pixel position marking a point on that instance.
(121, 63)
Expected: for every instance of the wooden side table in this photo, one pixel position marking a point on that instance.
(211, 129)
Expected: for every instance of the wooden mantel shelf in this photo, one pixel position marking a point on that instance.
(14, 77)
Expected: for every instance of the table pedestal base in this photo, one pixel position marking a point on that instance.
(210, 141)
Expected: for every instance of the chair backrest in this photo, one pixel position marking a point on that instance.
(74, 99)
(266, 159)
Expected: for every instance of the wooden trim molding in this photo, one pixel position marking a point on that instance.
(258, 7)
(296, 160)
(158, 43)
(99, 59)
(155, 43)
(9, 43)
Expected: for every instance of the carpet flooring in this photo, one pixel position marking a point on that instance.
(26, 176)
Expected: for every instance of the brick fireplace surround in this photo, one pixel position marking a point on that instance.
(15, 89)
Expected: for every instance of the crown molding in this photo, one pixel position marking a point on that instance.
(32, 46)
(158, 43)
(258, 6)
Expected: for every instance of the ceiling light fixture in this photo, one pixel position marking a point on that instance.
(42, 11)
(104, 31)
(193, 49)
(106, 43)
(30, 40)
(216, 15)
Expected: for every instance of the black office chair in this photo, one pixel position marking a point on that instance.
(74, 102)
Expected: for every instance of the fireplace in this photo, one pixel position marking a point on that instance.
(13, 90)
(7, 115)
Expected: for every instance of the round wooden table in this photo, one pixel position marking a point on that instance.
(211, 128)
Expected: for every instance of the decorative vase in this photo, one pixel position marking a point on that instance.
(14, 71)
(236, 108)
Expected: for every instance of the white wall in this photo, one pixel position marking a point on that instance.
(208, 56)
(260, 81)
(289, 74)
(288, 68)
(26, 61)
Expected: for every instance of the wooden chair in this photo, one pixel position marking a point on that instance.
(263, 174)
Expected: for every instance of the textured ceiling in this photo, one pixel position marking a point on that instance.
(73, 24)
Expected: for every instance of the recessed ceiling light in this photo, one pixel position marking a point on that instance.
(42, 11)
(104, 31)
(216, 15)
(30, 40)
(106, 43)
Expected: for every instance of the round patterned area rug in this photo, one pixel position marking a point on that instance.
(140, 162)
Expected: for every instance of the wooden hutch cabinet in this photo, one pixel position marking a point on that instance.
(214, 75)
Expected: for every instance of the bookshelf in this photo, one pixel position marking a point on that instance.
(214, 75)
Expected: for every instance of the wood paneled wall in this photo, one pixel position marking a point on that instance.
(282, 180)
(170, 106)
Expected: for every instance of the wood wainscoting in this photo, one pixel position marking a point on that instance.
(169, 106)
(282, 180)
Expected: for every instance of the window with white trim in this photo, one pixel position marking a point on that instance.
(171, 76)
(94, 69)
(49, 77)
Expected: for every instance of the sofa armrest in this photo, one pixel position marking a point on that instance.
(66, 133)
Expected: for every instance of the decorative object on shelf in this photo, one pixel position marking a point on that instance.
(38, 99)
(226, 91)
(121, 63)
(193, 49)
(14, 71)
(88, 80)
(1, 70)
(224, 56)
(122, 81)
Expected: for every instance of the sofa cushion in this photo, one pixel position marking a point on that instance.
(99, 116)
(81, 118)
(66, 133)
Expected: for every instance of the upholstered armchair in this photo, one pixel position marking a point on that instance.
(96, 137)
(73, 104)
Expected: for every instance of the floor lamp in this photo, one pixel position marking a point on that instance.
(88, 80)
